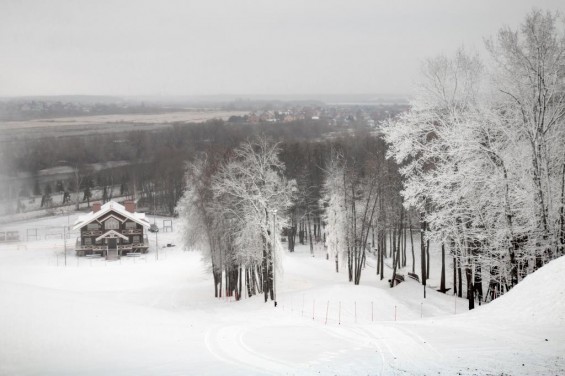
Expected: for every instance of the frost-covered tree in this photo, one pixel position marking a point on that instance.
(529, 76)
(233, 209)
(200, 219)
(484, 164)
(253, 187)
(333, 201)
(351, 197)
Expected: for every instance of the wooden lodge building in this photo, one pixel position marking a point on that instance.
(112, 230)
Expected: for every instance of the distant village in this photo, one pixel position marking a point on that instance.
(334, 115)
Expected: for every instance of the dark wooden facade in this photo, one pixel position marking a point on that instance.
(112, 234)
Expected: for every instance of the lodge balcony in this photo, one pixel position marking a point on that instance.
(102, 249)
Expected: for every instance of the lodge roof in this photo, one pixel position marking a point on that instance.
(107, 208)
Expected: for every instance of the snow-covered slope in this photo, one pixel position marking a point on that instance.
(538, 299)
(158, 316)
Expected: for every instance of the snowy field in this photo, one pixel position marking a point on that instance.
(191, 116)
(158, 316)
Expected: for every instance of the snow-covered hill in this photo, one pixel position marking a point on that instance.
(158, 316)
(537, 300)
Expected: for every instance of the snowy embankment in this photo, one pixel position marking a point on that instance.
(149, 316)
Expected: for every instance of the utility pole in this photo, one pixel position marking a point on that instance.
(157, 243)
(65, 243)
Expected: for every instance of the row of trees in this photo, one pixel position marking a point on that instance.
(483, 157)
(362, 206)
(229, 210)
(348, 200)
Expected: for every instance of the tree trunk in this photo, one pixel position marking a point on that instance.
(427, 259)
(379, 247)
(382, 256)
(470, 295)
(562, 213)
(423, 254)
(478, 284)
(412, 246)
(442, 283)
(310, 235)
(336, 263)
(454, 276)
(460, 279)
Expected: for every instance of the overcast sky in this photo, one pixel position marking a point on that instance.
(138, 47)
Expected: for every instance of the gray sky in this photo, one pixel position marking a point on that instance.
(138, 47)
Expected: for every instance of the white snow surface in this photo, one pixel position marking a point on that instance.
(106, 208)
(149, 316)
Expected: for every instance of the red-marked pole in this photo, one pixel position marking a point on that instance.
(327, 310)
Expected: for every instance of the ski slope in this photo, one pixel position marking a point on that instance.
(153, 316)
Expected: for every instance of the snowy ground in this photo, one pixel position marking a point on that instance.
(158, 316)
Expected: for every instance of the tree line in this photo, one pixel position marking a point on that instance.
(482, 155)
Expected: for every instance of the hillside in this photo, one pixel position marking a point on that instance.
(158, 316)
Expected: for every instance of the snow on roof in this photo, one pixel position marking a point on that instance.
(105, 209)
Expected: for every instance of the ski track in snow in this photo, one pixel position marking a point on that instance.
(226, 343)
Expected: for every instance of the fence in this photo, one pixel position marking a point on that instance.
(351, 312)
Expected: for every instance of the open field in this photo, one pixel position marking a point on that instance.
(157, 315)
(107, 123)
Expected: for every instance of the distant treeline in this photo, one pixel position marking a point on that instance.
(14, 110)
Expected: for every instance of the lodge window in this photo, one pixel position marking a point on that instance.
(135, 239)
(93, 226)
(87, 241)
(112, 224)
(131, 225)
